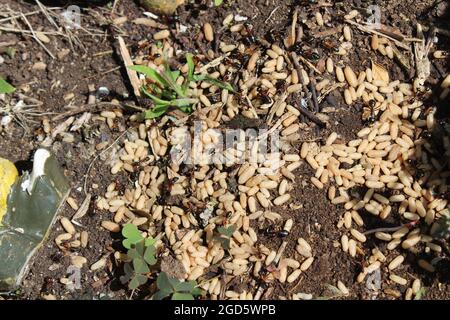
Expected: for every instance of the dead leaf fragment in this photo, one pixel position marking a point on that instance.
(379, 73)
(82, 210)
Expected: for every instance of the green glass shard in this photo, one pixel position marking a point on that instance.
(33, 204)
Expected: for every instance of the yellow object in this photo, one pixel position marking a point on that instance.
(162, 6)
(8, 175)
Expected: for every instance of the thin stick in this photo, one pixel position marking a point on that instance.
(309, 64)
(36, 38)
(328, 90)
(26, 14)
(114, 7)
(312, 87)
(46, 14)
(298, 68)
(368, 30)
(311, 116)
(51, 33)
(392, 229)
(271, 14)
(132, 75)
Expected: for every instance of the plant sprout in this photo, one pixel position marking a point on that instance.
(179, 290)
(141, 253)
(5, 87)
(166, 93)
(225, 235)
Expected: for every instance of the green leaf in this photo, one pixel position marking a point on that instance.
(5, 87)
(171, 83)
(228, 232)
(134, 283)
(225, 242)
(133, 254)
(131, 234)
(186, 109)
(175, 74)
(196, 292)
(183, 102)
(149, 255)
(140, 266)
(155, 99)
(220, 84)
(163, 282)
(191, 65)
(420, 293)
(186, 286)
(173, 282)
(150, 242)
(218, 2)
(140, 248)
(142, 278)
(182, 296)
(11, 52)
(137, 281)
(156, 112)
(191, 69)
(161, 294)
(151, 73)
(130, 231)
(128, 270)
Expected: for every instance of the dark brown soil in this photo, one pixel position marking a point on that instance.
(97, 63)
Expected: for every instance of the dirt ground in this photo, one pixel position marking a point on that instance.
(94, 61)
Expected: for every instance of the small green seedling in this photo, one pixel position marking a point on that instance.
(141, 253)
(179, 290)
(217, 3)
(420, 294)
(5, 87)
(166, 93)
(225, 235)
(11, 52)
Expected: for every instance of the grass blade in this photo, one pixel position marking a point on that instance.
(220, 84)
(5, 87)
(191, 65)
(156, 112)
(151, 73)
(155, 99)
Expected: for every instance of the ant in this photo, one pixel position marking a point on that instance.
(425, 134)
(269, 231)
(263, 95)
(242, 58)
(57, 256)
(311, 55)
(330, 45)
(49, 284)
(368, 114)
(419, 175)
(250, 38)
(167, 187)
(281, 86)
(242, 101)
(444, 195)
(227, 76)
